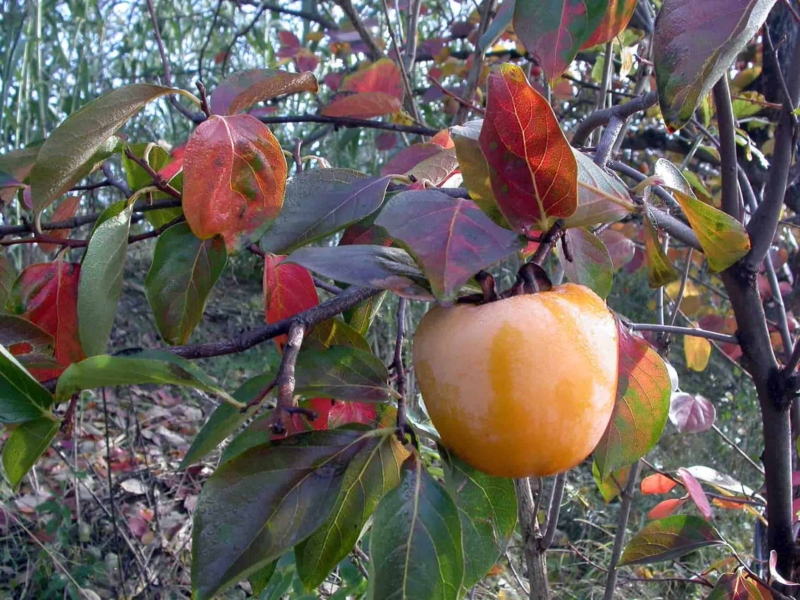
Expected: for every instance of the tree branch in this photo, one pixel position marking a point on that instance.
(348, 122)
(285, 380)
(675, 330)
(764, 222)
(602, 117)
(349, 298)
(553, 511)
(727, 148)
(400, 370)
(358, 25)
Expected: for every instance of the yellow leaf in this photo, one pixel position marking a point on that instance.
(692, 300)
(315, 36)
(697, 351)
(723, 239)
(659, 270)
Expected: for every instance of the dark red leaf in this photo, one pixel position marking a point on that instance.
(65, 210)
(691, 413)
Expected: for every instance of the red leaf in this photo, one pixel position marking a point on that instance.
(443, 139)
(691, 414)
(452, 238)
(234, 179)
(665, 508)
(382, 76)
(176, 165)
(290, 45)
(386, 141)
(363, 106)
(288, 290)
(306, 60)
(47, 295)
(409, 157)
(342, 413)
(370, 235)
(696, 492)
(533, 172)
(65, 210)
(242, 90)
(618, 15)
(657, 484)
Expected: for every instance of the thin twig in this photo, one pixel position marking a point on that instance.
(738, 450)
(400, 370)
(366, 37)
(701, 333)
(622, 525)
(553, 511)
(159, 181)
(111, 493)
(473, 77)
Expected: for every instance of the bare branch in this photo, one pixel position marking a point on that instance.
(602, 117)
(358, 25)
(285, 380)
(622, 525)
(690, 331)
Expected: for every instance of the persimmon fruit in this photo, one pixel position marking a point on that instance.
(523, 386)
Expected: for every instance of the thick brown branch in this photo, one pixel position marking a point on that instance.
(285, 381)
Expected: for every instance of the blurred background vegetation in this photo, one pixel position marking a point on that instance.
(67, 526)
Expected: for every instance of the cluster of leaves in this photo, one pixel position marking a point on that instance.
(406, 231)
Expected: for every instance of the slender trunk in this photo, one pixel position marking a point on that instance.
(535, 554)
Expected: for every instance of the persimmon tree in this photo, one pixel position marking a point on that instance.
(506, 183)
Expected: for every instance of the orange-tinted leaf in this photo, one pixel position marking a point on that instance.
(176, 164)
(665, 508)
(451, 237)
(642, 406)
(65, 210)
(288, 290)
(234, 179)
(728, 504)
(363, 106)
(695, 492)
(47, 295)
(443, 139)
(739, 586)
(657, 484)
(381, 76)
(554, 30)
(242, 90)
(533, 171)
(618, 14)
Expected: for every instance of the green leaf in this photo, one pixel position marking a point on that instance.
(260, 579)
(334, 332)
(694, 44)
(723, 238)
(660, 270)
(8, 275)
(25, 445)
(611, 486)
(602, 197)
(641, 407)
(63, 157)
(360, 318)
(182, 275)
(451, 238)
(390, 269)
(101, 277)
(290, 487)
(321, 202)
(554, 30)
(415, 545)
(151, 366)
(369, 476)
(670, 538)
(342, 373)
(591, 263)
(474, 167)
(487, 508)
(138, 178)
(225, 420)
(22, 398)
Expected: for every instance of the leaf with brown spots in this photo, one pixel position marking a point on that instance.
(234, 176)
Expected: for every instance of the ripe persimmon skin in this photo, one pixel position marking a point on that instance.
(524, 386)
